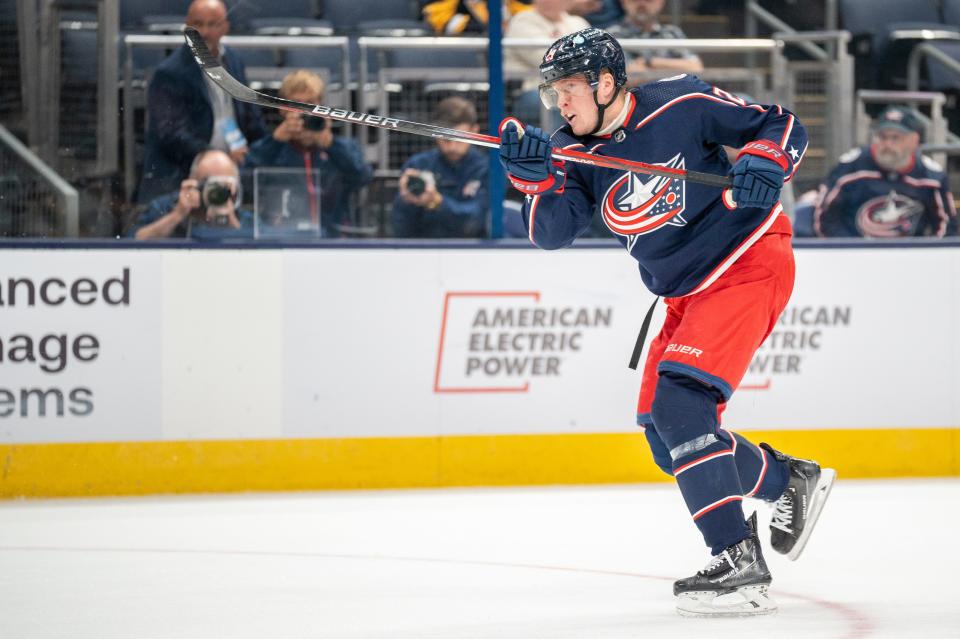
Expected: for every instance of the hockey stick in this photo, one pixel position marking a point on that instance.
(212, 67)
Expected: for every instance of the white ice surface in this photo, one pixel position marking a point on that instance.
(593, 563)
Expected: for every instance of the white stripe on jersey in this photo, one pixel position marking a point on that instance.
(740, 250)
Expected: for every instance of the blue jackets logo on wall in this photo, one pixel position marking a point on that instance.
(633, 206)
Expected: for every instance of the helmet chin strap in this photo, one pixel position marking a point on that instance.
(601, 108)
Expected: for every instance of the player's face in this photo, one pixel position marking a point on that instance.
(893, 149)
(573, 97)
(452, 150)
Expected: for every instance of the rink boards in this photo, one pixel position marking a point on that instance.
(170, 370)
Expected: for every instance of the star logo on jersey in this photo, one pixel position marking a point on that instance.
(636, 204)
(891, 215)
(794, 153)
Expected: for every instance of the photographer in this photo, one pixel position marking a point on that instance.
(308, 143)
(204, 208)
(443, 192)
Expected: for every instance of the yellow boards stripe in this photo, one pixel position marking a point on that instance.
(139, 468)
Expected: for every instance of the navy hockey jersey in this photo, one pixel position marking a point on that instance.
(684, 235)
(860, 199)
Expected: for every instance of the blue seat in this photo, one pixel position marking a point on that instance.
(243, 13)
(330, 59)
(135, 14)
(902, 37)
(951, 12)
(257, 57)
(346, 15)
(873, 16)
(871, 23)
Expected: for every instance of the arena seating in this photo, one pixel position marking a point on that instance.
(347, 15)
(884, 31)
(951, 12)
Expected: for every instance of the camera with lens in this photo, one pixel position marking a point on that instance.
(216, 192)
(417, 182)
(311, 123)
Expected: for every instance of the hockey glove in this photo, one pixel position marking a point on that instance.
(758, 175)
(525, 155)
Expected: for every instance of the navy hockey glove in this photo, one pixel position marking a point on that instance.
(758, 174)
(525, 155)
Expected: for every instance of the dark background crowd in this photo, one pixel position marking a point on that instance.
(198, 164)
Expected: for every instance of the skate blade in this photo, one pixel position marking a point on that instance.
(747, 601)
(820, 494)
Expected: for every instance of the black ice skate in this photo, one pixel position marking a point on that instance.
(733, 584)
(797, 510)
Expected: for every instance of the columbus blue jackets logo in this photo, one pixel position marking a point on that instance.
(638, 204)
(891, 215)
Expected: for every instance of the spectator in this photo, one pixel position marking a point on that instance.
(443, 192)
(453, 17)
(599, 13)
(308, 143)
(641, 20)
(205, 208)
(887, 189)
(548, 20)
(187, 113)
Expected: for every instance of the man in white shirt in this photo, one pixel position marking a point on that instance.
(548, 19)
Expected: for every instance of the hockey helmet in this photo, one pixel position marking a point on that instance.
(587, 52)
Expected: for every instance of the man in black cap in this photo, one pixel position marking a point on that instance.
(887, 189)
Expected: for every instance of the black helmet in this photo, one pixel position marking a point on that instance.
(588, 51)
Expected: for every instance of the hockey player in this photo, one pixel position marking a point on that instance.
(724, 263)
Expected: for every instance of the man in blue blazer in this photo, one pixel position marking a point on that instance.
(187, 113)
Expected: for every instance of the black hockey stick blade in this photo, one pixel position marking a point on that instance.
(216, 72)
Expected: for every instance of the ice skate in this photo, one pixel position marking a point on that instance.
(733, 584)
(798, 508)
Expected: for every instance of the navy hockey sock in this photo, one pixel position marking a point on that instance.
(685, 418)
(661, 456)
(761, 475)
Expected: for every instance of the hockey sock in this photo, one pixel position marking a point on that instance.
(761, 475)
(661, 456)
(685, 416)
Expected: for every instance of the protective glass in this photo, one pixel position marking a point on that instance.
(552, 93)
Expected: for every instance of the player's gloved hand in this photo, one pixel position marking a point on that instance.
(758, 174)
(525, 155)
